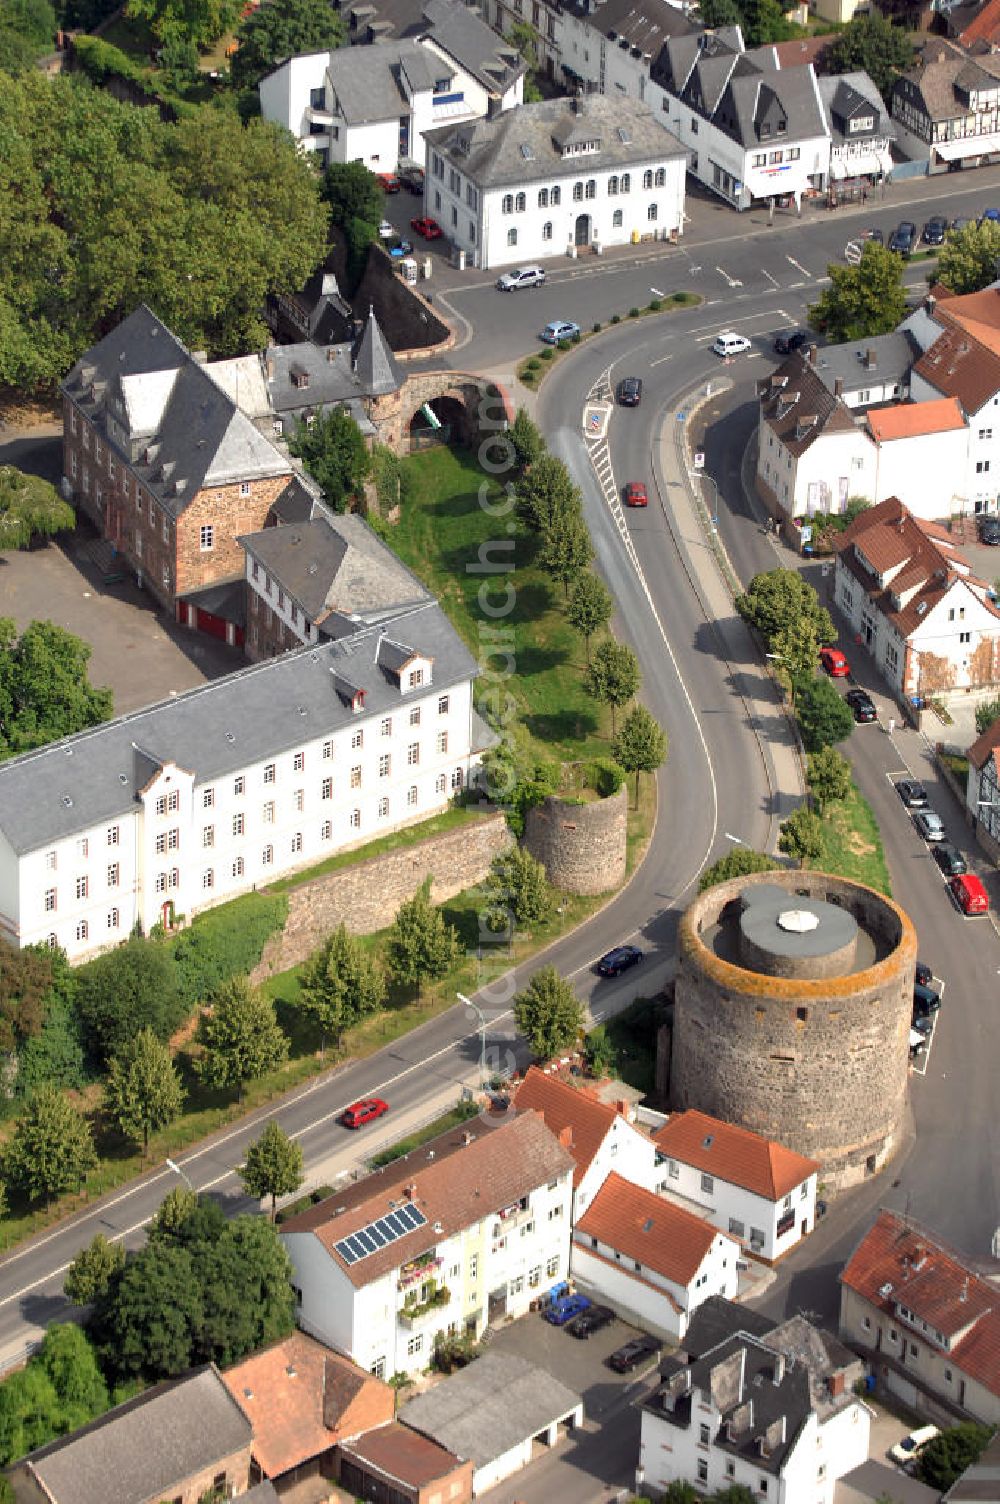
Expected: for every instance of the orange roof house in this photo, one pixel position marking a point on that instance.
(912, 420)
(734, 1154)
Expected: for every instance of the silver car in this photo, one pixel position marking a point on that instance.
(929, 824)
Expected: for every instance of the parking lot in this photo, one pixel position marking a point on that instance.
(879, 1478)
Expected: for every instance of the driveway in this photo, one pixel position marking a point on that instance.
(878, 1478)
(578, 1364)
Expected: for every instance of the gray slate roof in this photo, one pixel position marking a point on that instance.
(375, 366)
(216, 729)
(452, 26)
(490, 151)
(185, 432)
(306, 376)
(489, 1407)
(843, 94)
(141, 1450)
(368, 82)
(894, 355)
(716, 1319)
(334, 564)
(645, 24)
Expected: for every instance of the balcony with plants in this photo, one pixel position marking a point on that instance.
(420, 1305)
(418, 1269)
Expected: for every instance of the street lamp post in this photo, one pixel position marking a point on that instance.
(171, 1165)
(467, 1001)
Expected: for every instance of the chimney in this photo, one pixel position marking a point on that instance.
(410, 1190)
(331, 354)
(269, 362)
(930, 303)
(836, 1384)
(493, 107)
(577, 104)
(811, 354)
(838, 386)
(870, 361)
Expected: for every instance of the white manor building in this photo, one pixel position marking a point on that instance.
(451, 1238)
(554, 178)
(197, 799)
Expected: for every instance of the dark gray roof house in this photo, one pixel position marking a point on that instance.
(879, 367)
(376, 83)
(144, 1450)
(305, 378)
(449, 25)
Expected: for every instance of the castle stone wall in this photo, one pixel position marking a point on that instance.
(581, 846)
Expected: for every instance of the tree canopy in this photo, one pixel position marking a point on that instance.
(341, 983)
(30, 507)
(44, 690)
(739, 862)
(52, 1147)
(93, 1270)
(824, 716)
(422, 946)
(228, 215)
(590, 606)
(60, 1390)
(863, 300)
(828, 777)
(273, 1166)
(548, 1013)
(871, 44)
(641, 744)
(801, 836)
(613, 675)
(199, 21)
(143, 1091)
(775, 601)
(241, 1036)
(125, 991)
(944, 1458)
(969, 258)
(517, 890)
(333, 450)
(280, 29)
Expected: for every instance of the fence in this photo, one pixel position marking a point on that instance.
(20, 1356)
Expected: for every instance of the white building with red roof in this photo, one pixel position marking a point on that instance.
(598, 1134)
(914, 604)
(928, 1320)
(982, 787)
(752, 1188)
(650, 1259)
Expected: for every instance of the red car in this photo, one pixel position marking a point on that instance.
(835, 663)
(428, 228)
(635, 494)
(360, 1113)
(969, 893)
(388, 182)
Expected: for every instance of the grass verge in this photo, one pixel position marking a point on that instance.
(533, 368)
(460, 1113)
(633, 1035)
(852, 845)
(437, 825)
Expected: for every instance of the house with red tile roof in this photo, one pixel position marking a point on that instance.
(650, 1259)
(302, 1400)
(750, 1187)
(982, 789)
(396, 1463)
(963, 364)
(464, 1230)
(598, 1134)
(927, 1319)
(914, 604)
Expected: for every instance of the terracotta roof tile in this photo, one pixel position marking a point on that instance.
(405, 1455)
(898, 1263)
(984, 26)
(301, 1399)
(908, 420)
(578, 1120)
(734, 1154)
(976, 312)
(985, 746)
(650, 1231)
(962, 367)
(802, 50)
(454, 1180)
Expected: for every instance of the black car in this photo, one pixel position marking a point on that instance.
(630, 391)
(924, 975)
(618, 960)
(925, 1001)
(862, 705)
(412, 178)
(913, 794)
(903, 238)
(989, 531)
(624, 1359)
(950, 859)
(935, 230)
(593, 1319)
(789, 340)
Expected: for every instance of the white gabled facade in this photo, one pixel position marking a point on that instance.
(623, 1151)
(767, 1228)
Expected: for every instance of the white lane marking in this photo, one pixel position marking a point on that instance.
(767, 274)
(733, 281)
(797, 265)
(657, 293)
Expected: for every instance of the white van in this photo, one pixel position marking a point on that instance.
(521, 276)
(730, 343)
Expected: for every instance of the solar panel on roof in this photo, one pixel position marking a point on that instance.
(380, 1233)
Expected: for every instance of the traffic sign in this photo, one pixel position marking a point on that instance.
(699, 459)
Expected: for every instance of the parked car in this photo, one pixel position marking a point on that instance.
(401, 248)
(624, 1359)
(593, 1320)
(924, 976)
(875, 235)
(834, 662)
(929, 824)
(950, 859)
(862, 705)
(990, 217)
(386, 231)
(521, 276)
(630, 391)
(913, 794)
(428, 228)
(412, 178)
(922, 1024)
(360, 1113)
(903, 238)
(730, 343)
(635, 494)
(905, 1451)
(387, 181)
(789, 340)
(918, 1043)
(969, 893)
(989, 531)
(563, 1310)
(557, 330)
(925, 1001)
(934, 230)
(614, 962)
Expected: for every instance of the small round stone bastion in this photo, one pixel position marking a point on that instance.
(582, 846)
(793, 1002)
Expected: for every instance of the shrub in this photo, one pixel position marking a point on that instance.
(547, 353)
(533, 364)
(597, 327)
(678, 297)
(132, 988)
(607, 776)
(576, 338)
(225, 942)
(311, 1198)
(564, 344)
(655, 305)
(633, 313)
(616, 318)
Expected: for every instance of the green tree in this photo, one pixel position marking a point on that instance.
(352, 192)
(200, 21)
(967, 262)
(93, 1271)
(25, 983)
(871, 44)
(143, 1091)
(174, 1212)
(599, 1052)
(526, 439)
(987, 712)
(590, 606)
(52, 1147)
(147, 1322)
(716, 13)
(516, 890)
(641, 745)
(341, 983)
(613, 675)
(421, 945)
(740, 862)
(545, 496)
(795, 651)
(30, 508)
(774, 601)
(801, 836)
(70, 1363)
(764, 22)
(125, 991)
(273, 1166)
(734, 1493)
(526, 39)
(548, 1013)
(943, 1460)
(241, 1037)
(824, 717)
(280, 29)
(863, 300)
(333, 450)
(566, 550)
(828, 777)
(44, 690)
(179, 60)
(30, 1413)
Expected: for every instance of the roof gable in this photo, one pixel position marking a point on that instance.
(734, 1154)
(579, 1121)
(648, 1230)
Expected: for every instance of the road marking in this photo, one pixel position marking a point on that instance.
(657, 293)
(662, 360)
(733, 281)
(797, 265)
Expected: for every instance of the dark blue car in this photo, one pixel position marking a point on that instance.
(561, 1311)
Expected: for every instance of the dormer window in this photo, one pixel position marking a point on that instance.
(415, 678)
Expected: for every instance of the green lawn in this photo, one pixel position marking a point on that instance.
(852, 845)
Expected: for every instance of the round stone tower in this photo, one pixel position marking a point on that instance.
(794, 995)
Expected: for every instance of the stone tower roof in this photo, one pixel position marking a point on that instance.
(375, 366)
